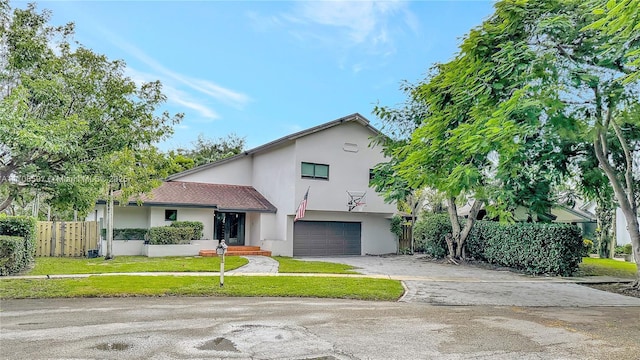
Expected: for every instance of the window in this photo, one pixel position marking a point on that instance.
(371, 175)
(170, 215)
(315, 171)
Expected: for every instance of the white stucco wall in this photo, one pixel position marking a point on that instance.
(126, 217)
(236, 172)
(345, 148)
(622, 234)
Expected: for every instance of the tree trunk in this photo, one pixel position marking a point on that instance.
(471, 220)
(109, 253)
(452, 242)
(5, 204)
(624, 195)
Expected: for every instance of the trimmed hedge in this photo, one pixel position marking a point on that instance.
(127, 234)
(25, 228)
(197, 227)
(534, 248)
(12, 254)
(166, 235)
(429, 234)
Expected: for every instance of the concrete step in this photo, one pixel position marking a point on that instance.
(238, 251)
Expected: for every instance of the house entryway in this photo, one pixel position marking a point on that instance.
(230, 227)
(326, 238)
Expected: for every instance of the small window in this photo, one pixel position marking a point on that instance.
(315, 171)
(170, 215)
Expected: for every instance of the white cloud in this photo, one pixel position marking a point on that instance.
(174, 95)
(227, 96)
(347, 28)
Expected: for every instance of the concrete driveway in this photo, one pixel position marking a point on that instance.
(448, 284)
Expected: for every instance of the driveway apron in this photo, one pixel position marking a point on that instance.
(448, 284)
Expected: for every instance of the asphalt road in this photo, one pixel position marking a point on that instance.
(277, 328)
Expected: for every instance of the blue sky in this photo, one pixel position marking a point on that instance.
(264, 69)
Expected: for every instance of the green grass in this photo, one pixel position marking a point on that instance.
(127, 264)
(607, 267)
(126, 286)
(290, 265)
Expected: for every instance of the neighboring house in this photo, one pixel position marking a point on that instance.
(252, 198)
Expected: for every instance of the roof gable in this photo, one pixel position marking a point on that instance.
(357, 118)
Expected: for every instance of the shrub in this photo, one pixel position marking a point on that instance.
(196, 227)
(127, 234)
(534, 248)
(429, 234)
(165, 235)
(619, 250)
(12, 254)
(627, 249)
(396, 225)
(587, 247)
(26, 228)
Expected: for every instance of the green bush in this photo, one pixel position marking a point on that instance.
(396, 225)
(196, 227)
(627, 249)
(127, 234)
(429, 234)
(12, 254)
(534, 248)
(26, 228)
(587, 247)
(619, 250)
(165, 235)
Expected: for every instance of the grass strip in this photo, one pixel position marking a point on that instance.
(607, 267)
(290, 265)
(126, 264)
(258, 286)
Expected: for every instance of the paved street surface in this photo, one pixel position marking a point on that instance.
(270, 328)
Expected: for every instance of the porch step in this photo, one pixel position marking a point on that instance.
(238, 251)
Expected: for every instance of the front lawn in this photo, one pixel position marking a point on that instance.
(128, 264)
(290, 265)
(607, 267)
(281, 286)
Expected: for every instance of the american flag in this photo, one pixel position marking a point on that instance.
(302, 207)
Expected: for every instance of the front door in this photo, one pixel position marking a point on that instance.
(230, 227)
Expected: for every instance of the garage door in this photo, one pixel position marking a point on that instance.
(326, 238)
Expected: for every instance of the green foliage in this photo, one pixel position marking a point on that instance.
(12, 255)
(429, 234)
(587, 247)
(70, 117)
(627, 249)
(396, 225)
(166, 235)
(25, 228)
(531, 247)
(196, 227)
(127, 234)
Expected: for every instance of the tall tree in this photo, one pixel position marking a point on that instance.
(64, 109)
(206, 150)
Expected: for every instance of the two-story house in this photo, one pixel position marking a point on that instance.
(252, 198)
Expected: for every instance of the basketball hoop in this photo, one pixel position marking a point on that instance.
(356, 200)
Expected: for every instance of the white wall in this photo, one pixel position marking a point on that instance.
(126, 217)
(345, 148)
(156, 218)
(236, 172)
(622, 234)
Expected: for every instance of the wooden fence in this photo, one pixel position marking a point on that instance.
(404, 242)
(66, 238)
